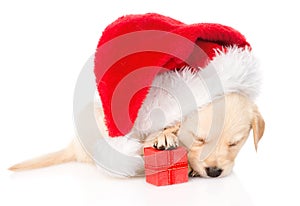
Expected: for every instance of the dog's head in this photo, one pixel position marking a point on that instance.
(217, 138)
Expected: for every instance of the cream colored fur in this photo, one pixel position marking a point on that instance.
(241, 115)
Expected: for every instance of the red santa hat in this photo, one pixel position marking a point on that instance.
(140, 41)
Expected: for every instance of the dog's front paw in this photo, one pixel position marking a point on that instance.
(167, 139)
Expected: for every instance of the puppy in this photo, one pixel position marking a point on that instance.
(212, 122)
(240, 116)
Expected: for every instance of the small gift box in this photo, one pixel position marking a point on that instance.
(166, 167)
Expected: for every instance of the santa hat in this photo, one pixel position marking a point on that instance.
(135, 49)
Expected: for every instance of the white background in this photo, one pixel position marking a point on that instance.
(43, 46)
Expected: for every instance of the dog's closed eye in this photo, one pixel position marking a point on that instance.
(199, 140)
(234, 143)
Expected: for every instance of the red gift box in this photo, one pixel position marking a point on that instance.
(166, 167)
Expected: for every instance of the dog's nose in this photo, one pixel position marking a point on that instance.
(213, 171)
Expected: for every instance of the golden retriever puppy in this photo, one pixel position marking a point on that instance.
(212, 149)
(212, 124)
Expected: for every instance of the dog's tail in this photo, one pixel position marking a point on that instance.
(69, 154)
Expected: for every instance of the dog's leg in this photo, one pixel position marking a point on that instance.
(164, 140)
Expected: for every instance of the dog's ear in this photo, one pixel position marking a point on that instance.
(258, 126)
